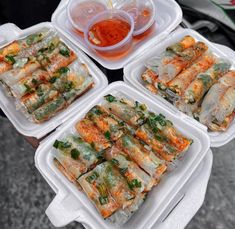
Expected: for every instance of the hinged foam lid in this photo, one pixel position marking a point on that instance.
(168, 17)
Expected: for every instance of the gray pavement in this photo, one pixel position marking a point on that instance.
(24, 195)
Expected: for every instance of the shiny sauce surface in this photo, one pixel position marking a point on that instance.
(108, 32)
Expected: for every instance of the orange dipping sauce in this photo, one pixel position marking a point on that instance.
(108, 32)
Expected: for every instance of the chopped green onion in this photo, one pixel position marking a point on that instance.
(134, 184)
(53, 79)
(64, 51)
(107, 135)
(92, 177)
(115, 161)
(10, 59)
(123, 170)
(75, 154)
(63, 70)
(110, 98)
(103, 200)
(61, 145)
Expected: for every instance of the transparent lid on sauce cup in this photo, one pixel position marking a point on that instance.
(143, 13)
(81, 11)
(107, 15)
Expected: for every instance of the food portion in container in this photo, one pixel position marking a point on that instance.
(43, 74)
(118, 153)
(195, 80)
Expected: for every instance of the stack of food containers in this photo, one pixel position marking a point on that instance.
(177, 188)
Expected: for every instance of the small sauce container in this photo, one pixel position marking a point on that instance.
(81, 11)
(110, 32)
(143, 13)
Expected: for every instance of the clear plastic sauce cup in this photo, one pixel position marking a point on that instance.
(143, 13)
(81, 11)
(109, 27)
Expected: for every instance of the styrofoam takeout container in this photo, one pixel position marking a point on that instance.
(133, 71)
(10, 32)
(160, 199)
(168, 17)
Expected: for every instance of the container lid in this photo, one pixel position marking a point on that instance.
(133, 71)
(10, 32)
(62, 212)
(168, 17)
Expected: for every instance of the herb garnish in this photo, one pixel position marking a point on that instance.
(92, 177)
(61, 145)
(75, 154)
(110, 98)
(10, 59)
(134, 184)
(107, 135)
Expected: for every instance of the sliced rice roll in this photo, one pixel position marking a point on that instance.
(29, 83)
(72, 81)
(43, 94)
(228, 79)
(151, 88)
(131, 113)
(185, 43)
(107, 125)
(171, 52)
(204, 81)
(121, 216)
(61, 56)
(218, 113)
(180, 83)
(13, 76)
(138, 180)
(72, 165)
(169, 71)
(149, 76)
(48, 43)
(16, 47)
(4, 67)
(116, 184)
(146, 159)
(49, 109)
(188, 108)
(81, 150)
(212, 98)
(159, 124)
(157, 142)
(91, 134)
(98, 192)
(66, 173)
